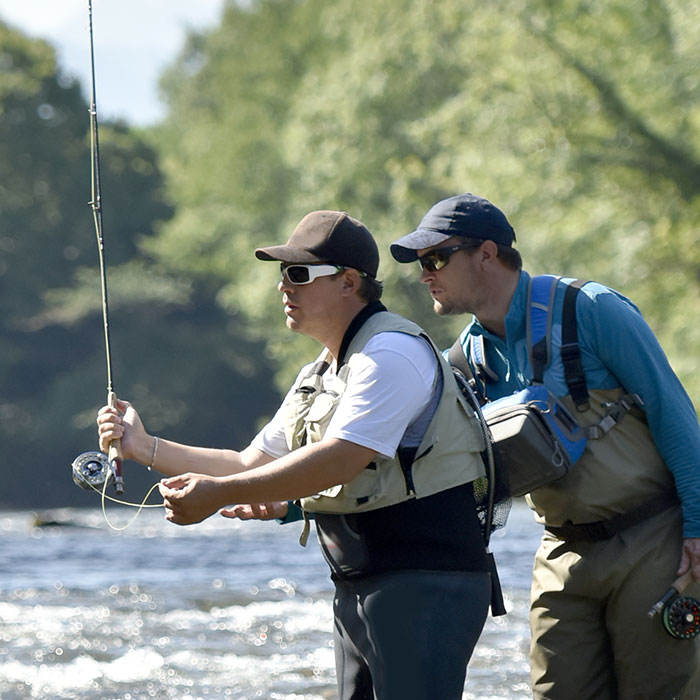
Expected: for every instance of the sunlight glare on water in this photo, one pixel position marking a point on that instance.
(221, 610)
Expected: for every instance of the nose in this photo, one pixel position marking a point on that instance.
(284, 285)
(426, 275)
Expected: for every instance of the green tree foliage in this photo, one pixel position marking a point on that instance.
(41, 148)
(52, 368)
(579, 119)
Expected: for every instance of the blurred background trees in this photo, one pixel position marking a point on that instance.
(580, 120)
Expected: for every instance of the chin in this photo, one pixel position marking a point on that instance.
(446, 309)
(440, 309)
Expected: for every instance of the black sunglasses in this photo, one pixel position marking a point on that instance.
(439, 257)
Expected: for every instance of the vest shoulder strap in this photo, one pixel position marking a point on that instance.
(458, 361)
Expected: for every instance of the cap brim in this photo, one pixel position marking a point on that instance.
(287, 254)
(404, 250)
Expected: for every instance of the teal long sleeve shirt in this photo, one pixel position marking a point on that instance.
(618, 348)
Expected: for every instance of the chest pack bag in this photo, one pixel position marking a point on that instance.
(534, 438)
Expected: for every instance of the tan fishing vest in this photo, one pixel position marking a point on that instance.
(615, 474)
(448, 454)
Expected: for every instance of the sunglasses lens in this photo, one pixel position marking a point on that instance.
(433, 261)
(439, 259)
(297, 274)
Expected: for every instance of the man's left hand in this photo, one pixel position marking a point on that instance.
(256, 511)
(191, 498)
(690, 558)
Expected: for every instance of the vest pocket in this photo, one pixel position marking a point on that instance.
(363, 489)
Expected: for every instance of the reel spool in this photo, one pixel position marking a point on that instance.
(681, 617)
(91, 470)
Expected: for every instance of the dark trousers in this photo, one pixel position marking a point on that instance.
(408, 635)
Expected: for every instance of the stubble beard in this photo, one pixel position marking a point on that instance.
(449, 308)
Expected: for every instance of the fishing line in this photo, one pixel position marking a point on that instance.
(91, 471)
(139, 506)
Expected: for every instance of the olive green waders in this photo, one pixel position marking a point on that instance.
(592, 638)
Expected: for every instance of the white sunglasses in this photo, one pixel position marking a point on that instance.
(305, 274)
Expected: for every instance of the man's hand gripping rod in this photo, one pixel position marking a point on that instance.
(115, 453)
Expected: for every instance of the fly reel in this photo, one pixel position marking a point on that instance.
(681, 617)
(91, 470)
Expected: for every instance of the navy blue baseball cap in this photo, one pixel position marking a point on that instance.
(464, 215)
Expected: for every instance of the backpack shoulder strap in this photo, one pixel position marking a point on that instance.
(477, 354)
(540, 301)
(540, 304)
(570, 350)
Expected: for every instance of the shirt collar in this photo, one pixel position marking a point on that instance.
(515, 320)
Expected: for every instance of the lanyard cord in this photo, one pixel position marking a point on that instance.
(115, 456)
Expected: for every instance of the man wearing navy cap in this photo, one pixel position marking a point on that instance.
(624, 522)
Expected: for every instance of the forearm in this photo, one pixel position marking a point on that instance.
(192, 497)
(172, 458)
(301, 473)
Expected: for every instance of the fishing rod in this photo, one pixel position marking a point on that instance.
(89, 469)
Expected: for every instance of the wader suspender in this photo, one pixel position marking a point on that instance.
(570, 350)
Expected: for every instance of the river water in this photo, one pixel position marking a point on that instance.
(221, 610)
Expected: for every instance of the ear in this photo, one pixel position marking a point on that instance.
(351, 282)
(488, 252)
